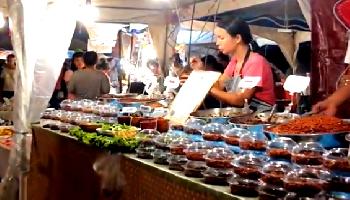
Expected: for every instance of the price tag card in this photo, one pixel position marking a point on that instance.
(191, 95)
(296, 84)
(145, 109)
(129, 110)
(249, 82)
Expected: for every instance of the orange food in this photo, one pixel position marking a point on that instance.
(312, 124)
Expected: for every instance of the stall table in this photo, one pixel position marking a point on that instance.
(62, 168)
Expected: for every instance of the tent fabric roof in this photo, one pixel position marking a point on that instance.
(275, 14)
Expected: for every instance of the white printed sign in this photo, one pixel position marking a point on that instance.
(296, 84)
(191, 95)
(249, 82)
(129, 110)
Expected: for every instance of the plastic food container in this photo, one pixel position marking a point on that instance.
(219, 158)
(340, 184)
(147, 136)
(213, 132)
(163, 141)
(178, 146)
(268, 192)
(124, 120)
(274, 172)
(65, 116)
(108, 111)
(56, 114)
(253, 141)
(87, 105)
(145, 151)
(307, 182)
(243, 187)
(248, 166)
(194, 168)
(175, 127)
(197, 150)
(280, 148)
(308, 153)
(66, 105)
(162, 125)
(176, 162)
(215, 176)
(232, 135)
(149, 123)
(194, 126)
(337, 160)
(161, 157)
(76, 106)
(64, 127)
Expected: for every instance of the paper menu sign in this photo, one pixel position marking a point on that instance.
(296, 84)
(191, 95)
(248, 82)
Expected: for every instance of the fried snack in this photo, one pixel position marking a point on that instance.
(312, 124)
(6, 132)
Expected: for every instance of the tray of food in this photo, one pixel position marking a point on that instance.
(219, 115)
(329, 131)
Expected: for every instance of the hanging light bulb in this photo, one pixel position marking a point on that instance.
(2, 20)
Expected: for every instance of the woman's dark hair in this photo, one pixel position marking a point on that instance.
(75, 55)
(236, 26)
(90, 58)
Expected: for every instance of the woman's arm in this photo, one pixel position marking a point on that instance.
(233, 99)
(68, 75)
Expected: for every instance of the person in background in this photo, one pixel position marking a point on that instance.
(154, 67)
(61, 92)
(234, 39)
(7, 78)
(88, 83)
(103, 66)
(223, 59)
(77, 62)
(332, 104)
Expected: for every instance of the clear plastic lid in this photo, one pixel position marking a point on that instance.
(274, 172)
(87, 105)
(108, 111)
(66, 104)
(178, 146)
(219, 158)
(307, 181)
(280, 147)
(197, 150)
(337, 160)
(253, 141)
(76, 106)
(249, 165)
(194, 126)
(146, 136)
(213, 132)
(308, 153)
(232, 135)
(164, 140)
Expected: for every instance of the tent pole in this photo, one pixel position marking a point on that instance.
(189, 47)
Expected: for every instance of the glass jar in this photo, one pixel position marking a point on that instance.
(197, 150)
(194, 126)
(274, 172)
(253, 141)
(232, 135)
(213, 132)
(280, 148)
(248, 166)
(214, 176)
(337, 160)
(307, 181)
(308, 153)
(194, 168)
(219, 158)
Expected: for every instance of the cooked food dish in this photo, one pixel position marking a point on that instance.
(6, 131)
(312, 124)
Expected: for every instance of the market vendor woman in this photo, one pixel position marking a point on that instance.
(233, 37)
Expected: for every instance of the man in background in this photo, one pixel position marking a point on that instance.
(7, 78)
